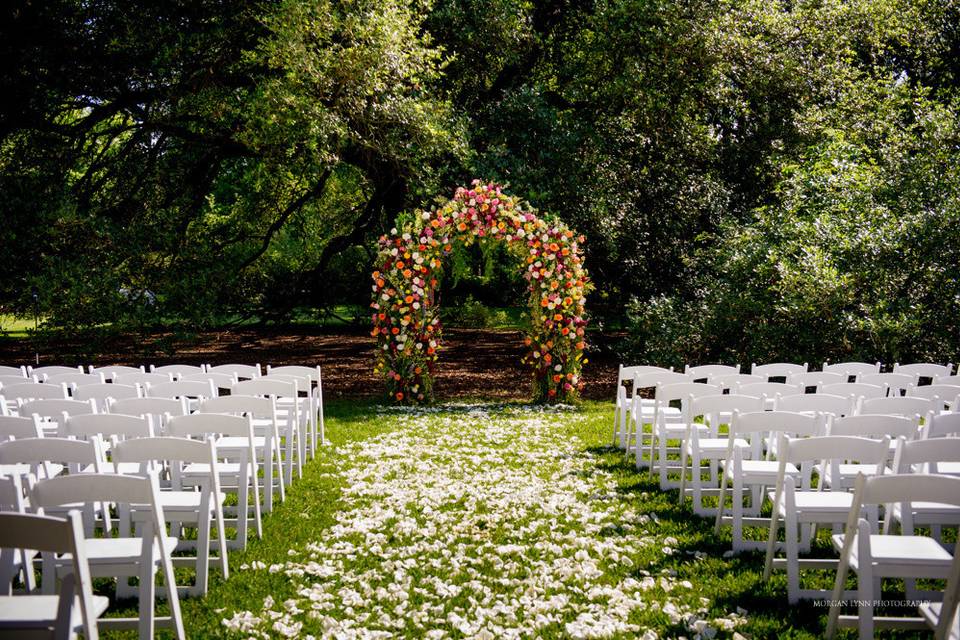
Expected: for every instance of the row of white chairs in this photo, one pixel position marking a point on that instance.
(805, 453)
(202, 446)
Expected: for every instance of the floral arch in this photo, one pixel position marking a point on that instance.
(406, 313)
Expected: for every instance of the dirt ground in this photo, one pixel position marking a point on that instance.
(473, 363)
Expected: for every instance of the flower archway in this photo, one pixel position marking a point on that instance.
(406, 316)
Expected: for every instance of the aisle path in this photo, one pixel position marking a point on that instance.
(482, 522)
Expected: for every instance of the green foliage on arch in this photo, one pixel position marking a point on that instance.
(406, 313)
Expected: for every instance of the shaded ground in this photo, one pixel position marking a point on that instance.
(474, 362)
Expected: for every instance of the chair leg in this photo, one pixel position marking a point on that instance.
(793, 562)
(736, 495)
(147, 584)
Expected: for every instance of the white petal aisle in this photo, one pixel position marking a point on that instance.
(479, 521)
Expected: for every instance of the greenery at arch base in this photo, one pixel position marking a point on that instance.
(406, 313)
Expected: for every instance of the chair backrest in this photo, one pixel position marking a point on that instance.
(925, 452)
(11, 499)
(55, 409)
(182, 389)
(942, 425)
(836, 448)
(54, 535)
(7, 370)
(74, 379)
(896, 406)
(177, 370)
(139, 377)
(304, 384)
(240, 371)
(895, 381)
(855, 390)
(945, 392)
(816, 379)
(852, 368)
(703, 371)
(102, 393)
(767, 389)
(34, 391)
(625, 375)
(821, 403)
(219, 380)
(36, 451)
(107, 425)
(732, 380)
(712, 406)
(953, 380)
(52, 370)
(155, 407)
(774, 422)
(112, 372)
(777, 370)
(924, 369)
(266, 387)
(205, 424)
(907, 488)
(150, 449)
(652, 379)
(8, 380)
(256, 406)
(313, 373)
(684, 390)
(873, 426)
(19, 427)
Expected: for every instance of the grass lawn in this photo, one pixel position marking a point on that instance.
(489, 521)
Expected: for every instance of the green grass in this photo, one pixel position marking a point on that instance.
(15, 327)
(469, 469)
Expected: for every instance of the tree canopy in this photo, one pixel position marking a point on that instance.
(754, 179)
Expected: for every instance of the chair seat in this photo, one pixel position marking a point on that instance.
(200, 469)
(762, 470)
(930, 512)
(819, 505)
(40, 612)
(902, 556)
(106, 551)
(182, 506)
(680, 428)
(649, 410)
(713, 447)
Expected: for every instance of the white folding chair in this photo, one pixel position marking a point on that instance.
(20, 427)
(238, 466)
(218, 380)
(201, 508)
(75, 609)
(285, 394)
(43, 456)
(708, 446)
(315, 424)
(125, 556)
(802, 510)
(865, 426)
(13, 499)
(777, 370)
(874, 556)
(855, 391)
(745, 467)
(816, 403)
(266, 441)
(852, 369)
(34, 391)
(109, 429)
(640, 411)
(6, 370)
(664, 432)
(624, 400)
